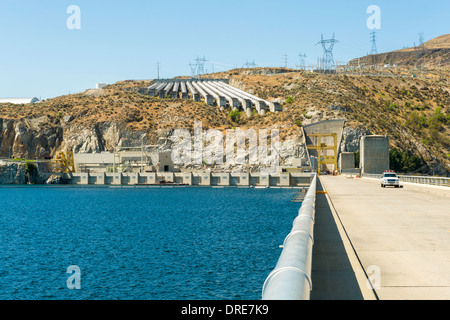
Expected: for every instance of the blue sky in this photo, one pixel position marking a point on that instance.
(119, 40)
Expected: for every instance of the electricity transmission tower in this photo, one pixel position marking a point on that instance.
(373, 38)
(421, 40)
(285, 59)
(302, 65)
(193, 68)
(158, 66)
(250, 64)
(327, 63)
(199, 67)
(420, 50)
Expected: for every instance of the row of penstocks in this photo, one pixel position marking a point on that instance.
(213, 92)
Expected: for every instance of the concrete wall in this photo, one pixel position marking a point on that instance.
(192, 178)
(346, 161)
(374, 154)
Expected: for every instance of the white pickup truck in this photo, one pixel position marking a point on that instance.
(390, 179)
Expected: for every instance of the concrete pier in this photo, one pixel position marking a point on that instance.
(174, 92)
(195, 95)
(184, 93)
(206, 96)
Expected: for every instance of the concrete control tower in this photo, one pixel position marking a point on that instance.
(374, 154)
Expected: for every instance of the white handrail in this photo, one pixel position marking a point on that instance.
(291, 278)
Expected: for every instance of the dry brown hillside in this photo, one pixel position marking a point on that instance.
(414, 112)
(441, 42)
(433, 53)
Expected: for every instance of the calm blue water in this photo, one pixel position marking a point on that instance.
(141, 243)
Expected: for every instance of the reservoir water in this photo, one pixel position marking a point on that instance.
(140, 242)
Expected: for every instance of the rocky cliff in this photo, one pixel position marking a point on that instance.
(19, 173)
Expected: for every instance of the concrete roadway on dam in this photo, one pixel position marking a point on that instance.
(398, 238)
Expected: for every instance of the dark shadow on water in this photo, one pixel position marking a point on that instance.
(332, 275)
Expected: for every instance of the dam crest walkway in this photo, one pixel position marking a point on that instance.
(374, 243)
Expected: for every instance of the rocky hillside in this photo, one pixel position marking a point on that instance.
(414, 112)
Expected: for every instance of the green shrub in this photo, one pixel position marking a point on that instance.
(289, 99)
(235, 116)
(404, 161)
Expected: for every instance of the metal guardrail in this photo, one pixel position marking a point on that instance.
(291, 278)
(372, 175)
(434, 181)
